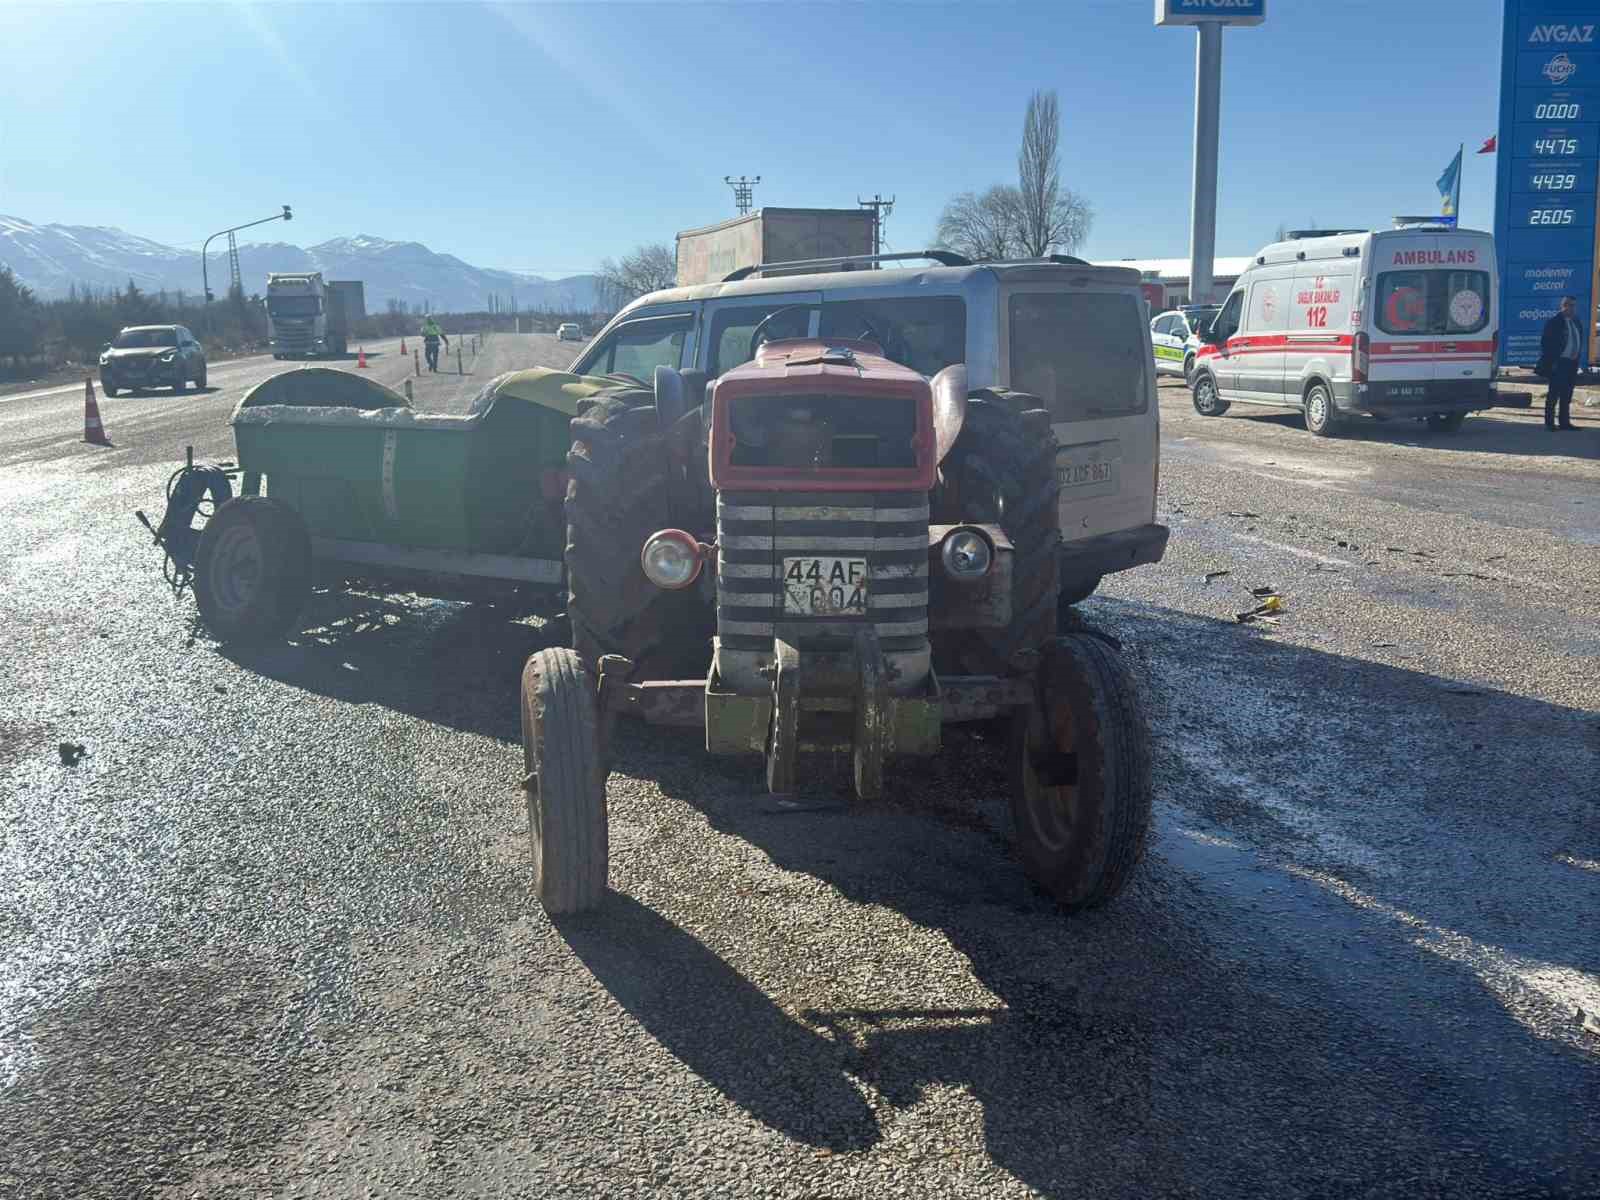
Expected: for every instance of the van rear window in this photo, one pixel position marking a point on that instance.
(1435, 301)
(1082, 354)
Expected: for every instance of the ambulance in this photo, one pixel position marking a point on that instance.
(1343, 323)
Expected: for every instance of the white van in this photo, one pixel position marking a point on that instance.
(1070, 333)
(1391, 323)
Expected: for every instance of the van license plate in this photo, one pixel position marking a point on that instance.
(1084, 474)
(825, 587)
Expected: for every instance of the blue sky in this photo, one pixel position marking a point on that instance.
(545, 137)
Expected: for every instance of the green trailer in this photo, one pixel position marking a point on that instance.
(343, 484)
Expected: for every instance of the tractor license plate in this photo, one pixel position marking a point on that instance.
(825, 587)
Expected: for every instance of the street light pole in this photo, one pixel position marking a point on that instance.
(205, 274)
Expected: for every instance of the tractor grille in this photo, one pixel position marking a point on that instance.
(756, 531)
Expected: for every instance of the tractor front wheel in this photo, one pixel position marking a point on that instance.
(252, 569)
(1080, 794)
(565, 782)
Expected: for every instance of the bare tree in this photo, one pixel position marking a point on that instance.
(982, 227)
(1035, 217)
(1052, 217)
(647, 268)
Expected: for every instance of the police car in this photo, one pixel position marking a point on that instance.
(1175, 336)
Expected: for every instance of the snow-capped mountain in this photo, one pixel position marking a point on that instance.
(51, 258)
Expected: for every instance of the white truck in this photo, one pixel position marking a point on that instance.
(307, 317)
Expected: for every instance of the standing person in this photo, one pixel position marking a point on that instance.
(1558, 362)
(431, 333)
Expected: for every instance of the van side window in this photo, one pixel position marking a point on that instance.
(637, 348)
(1321, 301)
(732, 328)
(1266, 305)
(925, 333)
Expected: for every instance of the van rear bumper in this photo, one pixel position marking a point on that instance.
(1089, 558)
(1414, 398)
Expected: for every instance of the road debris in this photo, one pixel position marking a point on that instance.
(1262, 612)
(1210, 575)
(72, 753)
(1266, 589)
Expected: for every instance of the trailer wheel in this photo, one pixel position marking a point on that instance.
(565, 782)
(1321, 419)
(619, 492)
(1080, 794)
(252, 569)
(1002, 470)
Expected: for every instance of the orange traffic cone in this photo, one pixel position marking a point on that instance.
(402, 345)
(361, 358)
(93, 432)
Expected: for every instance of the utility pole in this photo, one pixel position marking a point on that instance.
(235, 283)
(742, 189)
(881, 209)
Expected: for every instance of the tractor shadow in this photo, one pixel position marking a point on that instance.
(452, 664)
(1157, 1040)
(787, 1076)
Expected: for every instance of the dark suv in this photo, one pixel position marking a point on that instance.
(146, 356)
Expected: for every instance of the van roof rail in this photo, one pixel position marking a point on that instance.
(848, 262)
(1065, 260)
(1296, 234)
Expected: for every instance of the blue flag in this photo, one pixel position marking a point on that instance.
(1450, 186)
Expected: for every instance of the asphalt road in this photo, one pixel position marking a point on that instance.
(272, 935)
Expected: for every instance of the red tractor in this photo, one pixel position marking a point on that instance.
(826, 552)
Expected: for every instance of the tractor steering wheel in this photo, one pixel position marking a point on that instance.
(755, 334)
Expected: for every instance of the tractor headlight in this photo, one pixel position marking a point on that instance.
(966, 554)
(671, 559)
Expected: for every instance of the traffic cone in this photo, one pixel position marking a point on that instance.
(93, 432)
(402, 345)
(361, 358)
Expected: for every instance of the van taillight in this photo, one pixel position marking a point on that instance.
(1361, 360)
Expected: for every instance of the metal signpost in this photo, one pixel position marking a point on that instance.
(1208, 17)
(1546, 211)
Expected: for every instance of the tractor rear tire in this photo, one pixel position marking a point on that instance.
(1002, 470)
(620, 490)
(565, 782)
(252, 569)
(1080, 789)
